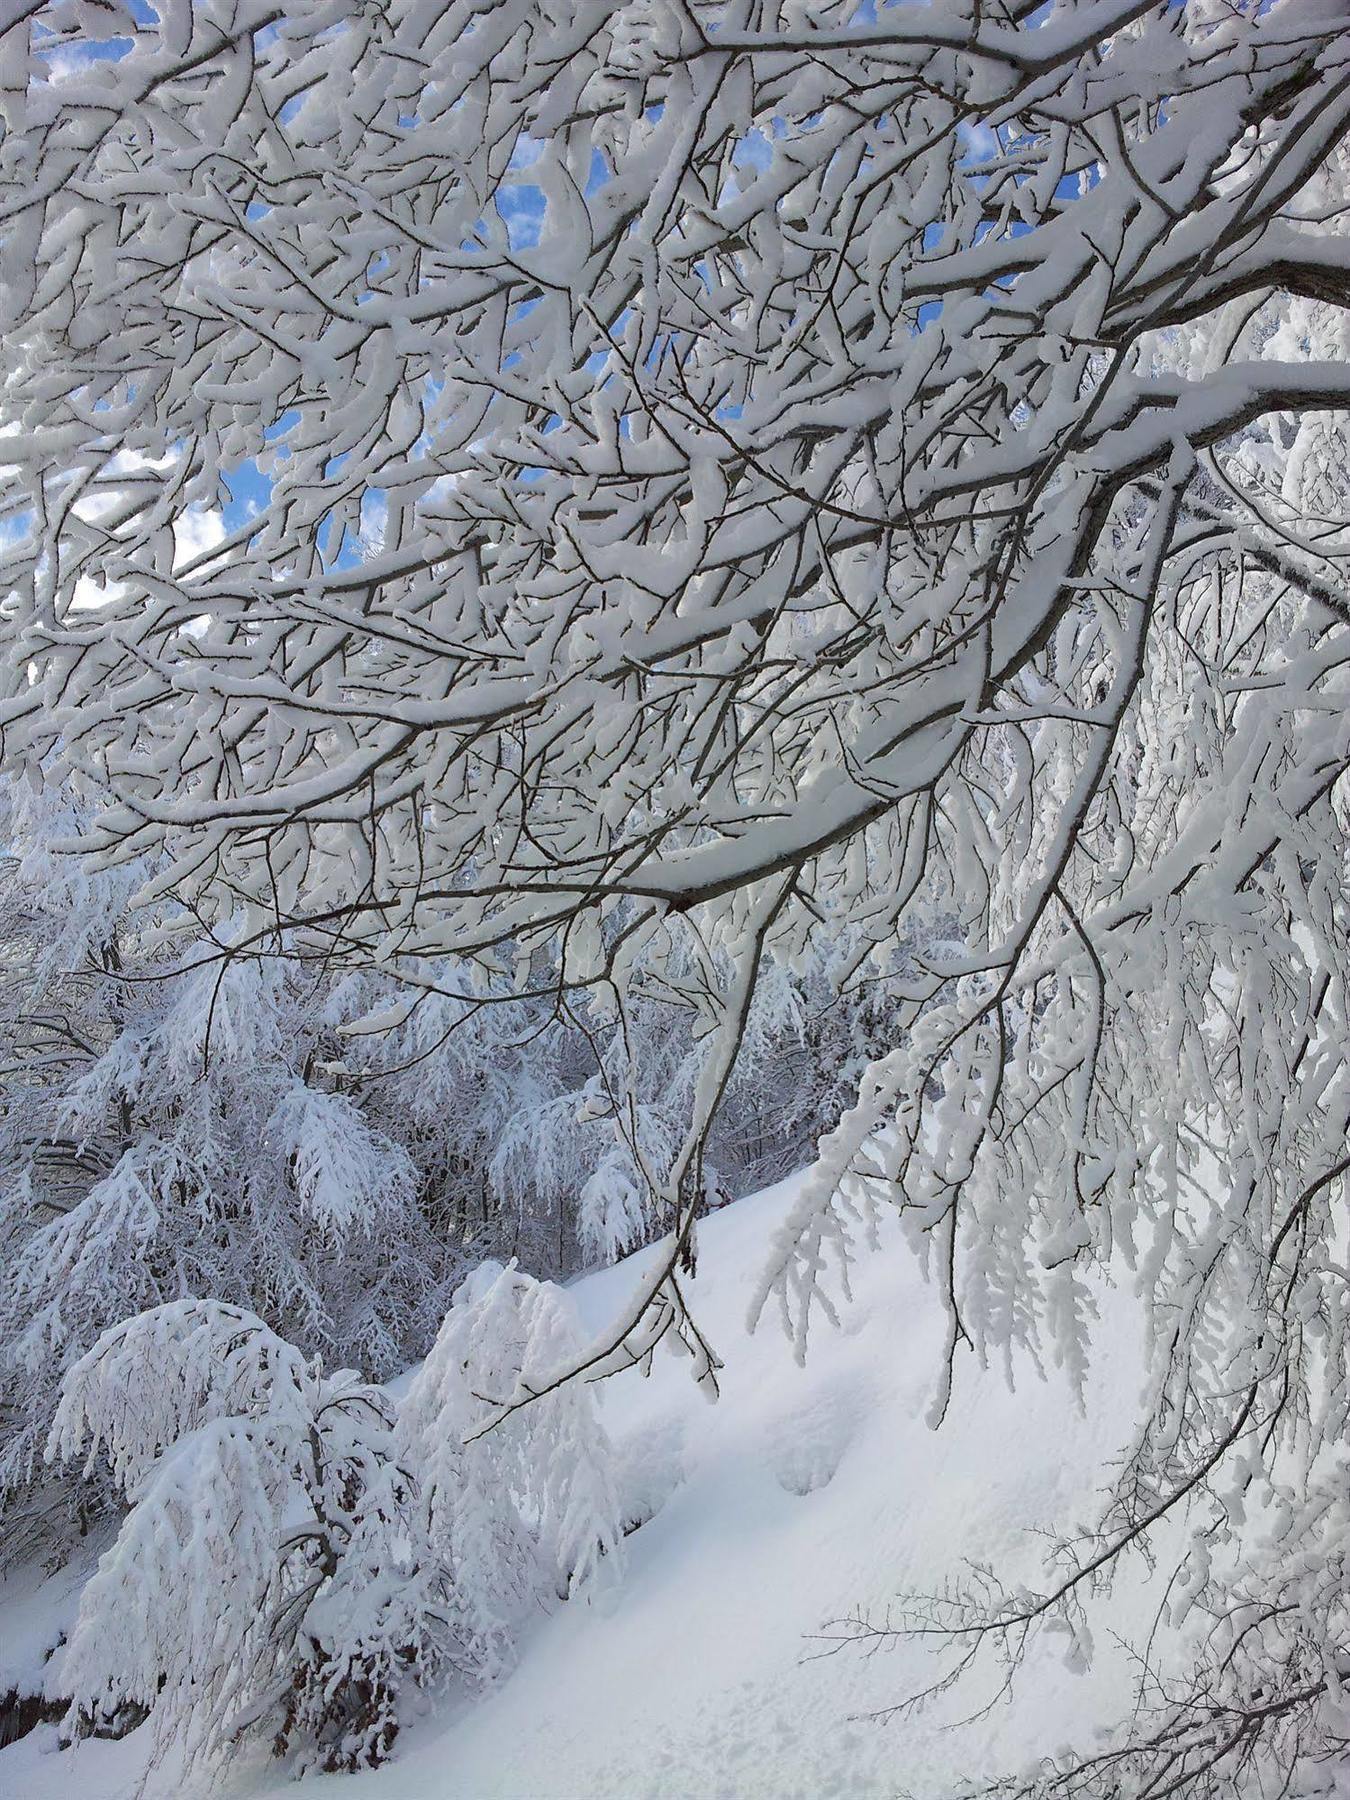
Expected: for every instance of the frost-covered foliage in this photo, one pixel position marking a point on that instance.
(298, 1550)
(855, 490)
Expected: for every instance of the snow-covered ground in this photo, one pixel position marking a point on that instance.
(804, 1495)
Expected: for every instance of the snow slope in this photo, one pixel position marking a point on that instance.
(803, 1495)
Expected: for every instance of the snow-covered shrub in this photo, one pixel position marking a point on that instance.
(298, 1549)
(514, 1473)
(226, 1601)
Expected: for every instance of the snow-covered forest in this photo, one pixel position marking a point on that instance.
(674, 709)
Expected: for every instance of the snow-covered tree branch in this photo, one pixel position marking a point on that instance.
(704, 489)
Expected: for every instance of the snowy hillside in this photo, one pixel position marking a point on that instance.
(804, 1494)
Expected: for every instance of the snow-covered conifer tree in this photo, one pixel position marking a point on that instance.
(168, 1134)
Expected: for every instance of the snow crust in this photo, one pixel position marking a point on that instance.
(803, 1495)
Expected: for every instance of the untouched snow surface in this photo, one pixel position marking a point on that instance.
(803, 1495)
